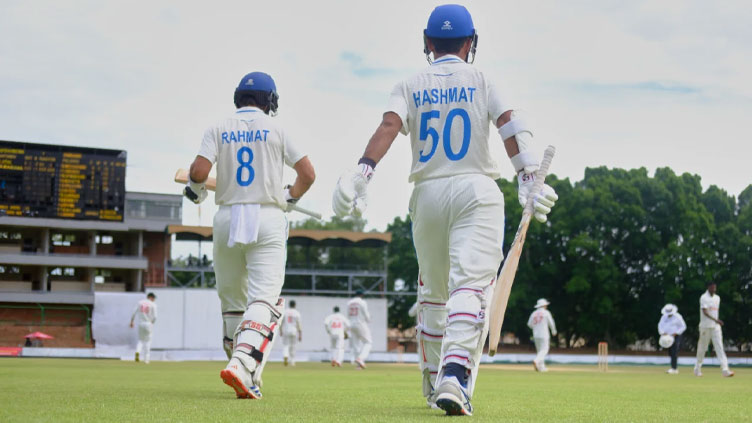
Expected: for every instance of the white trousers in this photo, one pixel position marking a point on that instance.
(706, 335)
(143, 346)
(249, 272)
(360, 341)
(542, 347)
(458, 231)
(337, 347)
(289, 343)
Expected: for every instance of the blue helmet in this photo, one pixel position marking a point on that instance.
(259, 82)
(450, 21)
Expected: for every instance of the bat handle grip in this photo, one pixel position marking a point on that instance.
(540, 177)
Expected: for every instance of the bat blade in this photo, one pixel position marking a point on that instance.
(181, 177)
(500, 298)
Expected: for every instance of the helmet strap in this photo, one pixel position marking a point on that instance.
(471, 54)
(426, 51)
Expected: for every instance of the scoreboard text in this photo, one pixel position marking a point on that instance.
(41, 180)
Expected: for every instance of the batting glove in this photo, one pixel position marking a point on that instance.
(195, 191)
(542, 201)
(350, 195)
(289, 198)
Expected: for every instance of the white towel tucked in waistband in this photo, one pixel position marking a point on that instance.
(244, 224)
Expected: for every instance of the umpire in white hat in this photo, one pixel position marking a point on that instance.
(671, 327)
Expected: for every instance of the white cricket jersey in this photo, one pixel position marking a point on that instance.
(145, 311)
(711, 303)
(250, 150)
(672, 324)
(336, 324)
(357, 311)
(291, 324)
(540, 321)
(447, 109)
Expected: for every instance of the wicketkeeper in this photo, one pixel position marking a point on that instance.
(457, 210)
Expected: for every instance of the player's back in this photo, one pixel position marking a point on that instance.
(146, 311)
(291, 322)
(336, 323)
(539, 323)
(250, 149)
(357, 311)
(446, 109)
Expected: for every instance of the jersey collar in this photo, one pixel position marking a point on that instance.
(248, 109)
(449, 58)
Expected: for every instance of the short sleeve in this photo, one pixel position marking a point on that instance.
(705, 302)
(292, 154)
(208, 148)
(497, 104)
(398, 104)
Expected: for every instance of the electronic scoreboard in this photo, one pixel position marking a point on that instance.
(42, 180)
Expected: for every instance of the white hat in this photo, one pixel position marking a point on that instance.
(666, 341)
(542, 302)
(669, 309)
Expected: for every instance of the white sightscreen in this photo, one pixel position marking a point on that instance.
(111, 317)
(191, 319)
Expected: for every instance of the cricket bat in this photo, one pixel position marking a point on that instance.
(498, 305)
(181, 177)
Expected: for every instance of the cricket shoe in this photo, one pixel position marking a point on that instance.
(452, 398)
(360, 363)
(672, 371)
(535, 366)
(698, 372)
(728, 373)
(236, 376)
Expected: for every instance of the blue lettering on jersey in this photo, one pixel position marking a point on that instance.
(245, 136)
(444, 96)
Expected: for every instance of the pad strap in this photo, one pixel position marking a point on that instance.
(261, 328)
(253, 352)
(514, 127)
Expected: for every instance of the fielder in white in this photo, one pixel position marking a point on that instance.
(291, 333)
(456, 207)
(146, 314)
(336, 326)
(360, 333)
(250, 227)
(672, 325)
(710, 329)
(541, 321)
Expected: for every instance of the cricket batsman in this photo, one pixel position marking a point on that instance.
(336, 326)
(456, 207)
(250, 226)
(146, 312)
(541, 321)
(291, 333)
(360, 333)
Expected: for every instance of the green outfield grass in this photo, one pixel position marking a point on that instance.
(107, 390)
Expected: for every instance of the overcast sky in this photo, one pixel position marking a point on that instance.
(622, 84)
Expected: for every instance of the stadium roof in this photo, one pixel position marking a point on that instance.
(305, 237)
